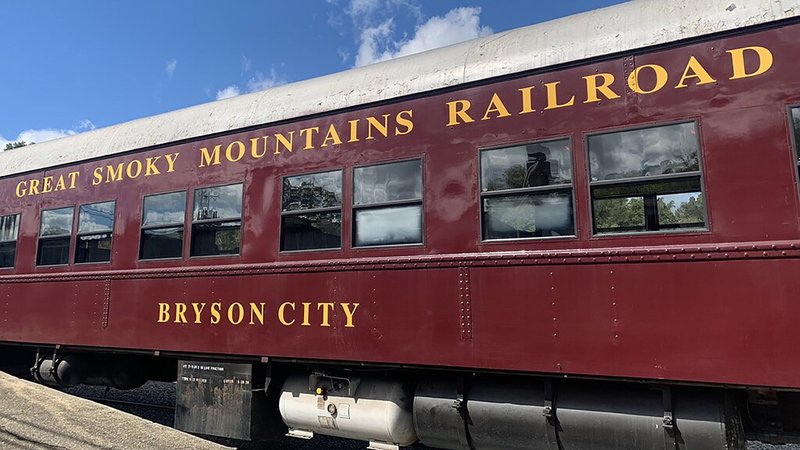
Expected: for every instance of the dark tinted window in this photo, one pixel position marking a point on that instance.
(526, 191)
(162, 226)
(9, 231)
(55, 236)
(311, 216)
(216, 222)
(647, 180)
(95, 232)
(387, 204)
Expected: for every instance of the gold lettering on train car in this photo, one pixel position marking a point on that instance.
(133, 169)
(457, 110)
(332, 136)
(209, 159)
(216, 307)
(229, 152)
(661, 78)
(180, 313)
(151, 168)
(163, 312)
(738, 61)
(697, 71)
(326, 309)
(44, 185)
(257, 312)
(403, 121)
(282, 313)
(240, 310)
(593, 88)
(349, 314)
(318, 314)
(496, 106)
(308, 134)
(137, 169)
(527, 100)
(353, 130)
(383, 128)
(552, 96)
(254, 148)
(198, 311)
(281, 139)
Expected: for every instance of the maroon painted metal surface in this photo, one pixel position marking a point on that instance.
(715, 306)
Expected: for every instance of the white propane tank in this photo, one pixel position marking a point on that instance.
(368, 409)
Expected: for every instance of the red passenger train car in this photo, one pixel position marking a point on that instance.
(580, 234)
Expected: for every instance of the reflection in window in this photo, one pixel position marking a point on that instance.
(387, 204)
(796, 128)
(526, 191)
(311, 211)
(9, 231)
(95, 231)
(54, 237)
(217, 221)
(646, 180)
(162, 226)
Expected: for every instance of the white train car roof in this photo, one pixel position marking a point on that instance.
(624, 27)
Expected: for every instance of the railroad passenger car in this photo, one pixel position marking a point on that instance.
(579, 234)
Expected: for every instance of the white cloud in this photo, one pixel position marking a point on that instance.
(360, 9)
(228, 92)
(47, 134)
(86, 124)
(458, 25)
(261, 82)
(371, 39)
(170, 67)
(344, 54)
(246, 64)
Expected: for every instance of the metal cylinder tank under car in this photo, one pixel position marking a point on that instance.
(529, 414)
(369, 409)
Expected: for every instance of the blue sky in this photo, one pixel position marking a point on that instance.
(73, 66)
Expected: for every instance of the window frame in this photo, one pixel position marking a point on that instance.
(182, 224)
(15, 241)
(40, 238)
(78, 234)
(339, 208)
(793, 141)
(192, 221)
(420, 201)
(699, 174)
(528, 190)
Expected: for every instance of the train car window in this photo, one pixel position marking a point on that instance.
(217, 221)
(387, 204)
(9, 231)
(54, 237)
(796, 128)
(526, 191)
(311, 211)
(162, 226)
(95, 232)
(647, 180)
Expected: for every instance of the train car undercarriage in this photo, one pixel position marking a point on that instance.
(395, 407)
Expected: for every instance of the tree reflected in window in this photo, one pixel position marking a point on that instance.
(646, 180)
(311, 217)
(9, 231)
